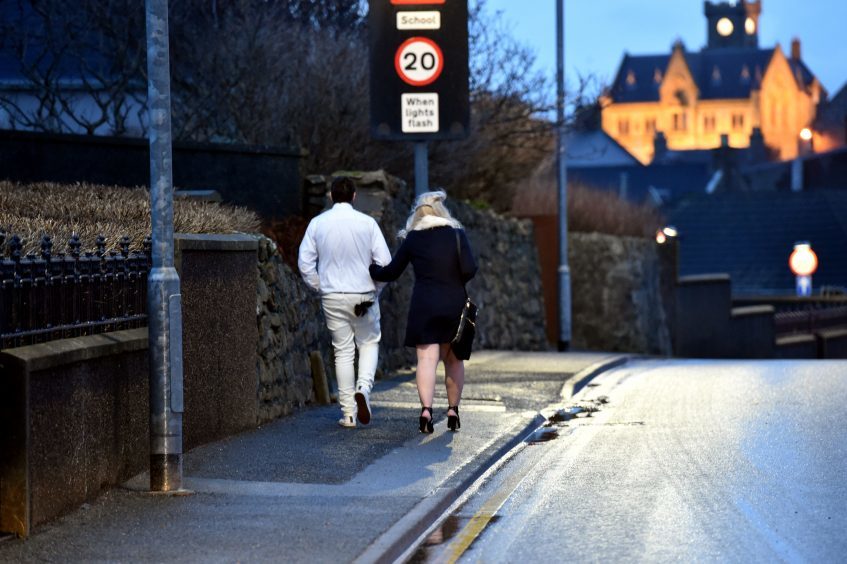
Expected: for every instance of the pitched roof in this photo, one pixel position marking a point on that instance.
(596, 148)
(643, 69)
(750, 235)
(644, 184)
(718, 73)
(821, 171)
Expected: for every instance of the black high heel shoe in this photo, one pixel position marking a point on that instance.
(424, 423)
(453, 421)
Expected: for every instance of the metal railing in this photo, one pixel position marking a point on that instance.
(810, 321)
(802, 314)
(44, 297)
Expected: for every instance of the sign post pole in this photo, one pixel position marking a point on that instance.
(419, 75)
(421, 168)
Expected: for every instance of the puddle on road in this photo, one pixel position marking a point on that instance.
(432, 547)
(583, 408)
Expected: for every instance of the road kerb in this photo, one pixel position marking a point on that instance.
(394, 542)
(576, 382)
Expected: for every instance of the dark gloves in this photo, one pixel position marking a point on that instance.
(362, 308)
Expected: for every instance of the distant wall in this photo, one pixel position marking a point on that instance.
(265, 179)
(618, 299)
(508, 285)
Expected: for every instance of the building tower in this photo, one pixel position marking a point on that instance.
(732, 24)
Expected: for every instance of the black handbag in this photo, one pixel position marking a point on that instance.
(463, 341)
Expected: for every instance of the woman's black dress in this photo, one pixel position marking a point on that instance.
(441, 272)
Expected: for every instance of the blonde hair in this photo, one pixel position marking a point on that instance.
(428, 204)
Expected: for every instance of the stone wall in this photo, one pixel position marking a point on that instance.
(291, 325)
(617, 297)
(507, 287)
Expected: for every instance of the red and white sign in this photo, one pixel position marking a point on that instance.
(419, 112)
(412, 2)
(419, 61)
(803, 260)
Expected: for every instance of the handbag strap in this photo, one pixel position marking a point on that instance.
(459, 258)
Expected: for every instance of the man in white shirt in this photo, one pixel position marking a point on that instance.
(339, 246)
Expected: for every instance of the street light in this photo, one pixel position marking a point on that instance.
(806, 142)
(666, 234)
(562, 182)
(803, 263)
(164, 305)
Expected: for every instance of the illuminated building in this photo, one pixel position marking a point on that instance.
(687, 100)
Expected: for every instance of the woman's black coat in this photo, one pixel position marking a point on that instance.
(442, 267)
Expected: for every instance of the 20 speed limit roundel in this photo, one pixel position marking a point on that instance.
(419, 61)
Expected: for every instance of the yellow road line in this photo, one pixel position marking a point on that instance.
(464, 538)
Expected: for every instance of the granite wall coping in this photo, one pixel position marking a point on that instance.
(238, 242)
(703, 279)
(44, 356)
(745, 311)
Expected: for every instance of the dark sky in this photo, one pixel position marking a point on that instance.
(597, 32)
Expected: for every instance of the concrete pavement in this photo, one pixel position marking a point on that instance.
(304, 489)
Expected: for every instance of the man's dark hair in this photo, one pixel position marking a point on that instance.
(342, 189)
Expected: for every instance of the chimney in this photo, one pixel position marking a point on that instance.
(795, 49)
(757, 152)
(660, 146)
(797, 175)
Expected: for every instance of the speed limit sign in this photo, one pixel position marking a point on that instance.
(419, 83)
(419, 61)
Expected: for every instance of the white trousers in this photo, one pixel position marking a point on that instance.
(348, 333)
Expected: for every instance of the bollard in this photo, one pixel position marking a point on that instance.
(321, 385)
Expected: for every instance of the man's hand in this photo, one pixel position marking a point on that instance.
(362, 308)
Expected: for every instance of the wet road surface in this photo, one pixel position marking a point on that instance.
(681, 461)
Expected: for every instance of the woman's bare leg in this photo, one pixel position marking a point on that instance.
(455, 376)
(425, 373)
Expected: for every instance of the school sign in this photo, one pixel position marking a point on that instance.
(419, 69)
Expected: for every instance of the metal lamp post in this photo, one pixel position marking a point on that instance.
(164, 310)
(562, 184)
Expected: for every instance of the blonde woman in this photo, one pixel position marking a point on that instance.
(436, 245)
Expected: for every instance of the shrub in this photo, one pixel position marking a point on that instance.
(590, 210)
(287, 233)
(31, 210)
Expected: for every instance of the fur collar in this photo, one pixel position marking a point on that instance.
(430, 221)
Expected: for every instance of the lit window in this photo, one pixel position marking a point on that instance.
(630, 78)
(650, 125)
(745, 73)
